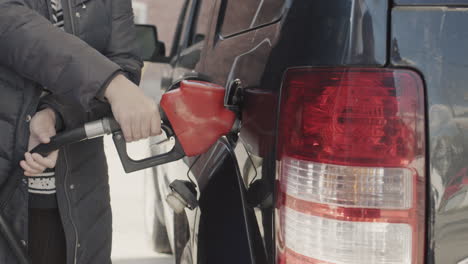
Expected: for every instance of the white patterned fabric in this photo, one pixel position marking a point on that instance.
(57, 13)
(44, 184)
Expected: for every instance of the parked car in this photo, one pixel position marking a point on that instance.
(354, 139)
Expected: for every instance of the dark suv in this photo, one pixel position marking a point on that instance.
(353, 146)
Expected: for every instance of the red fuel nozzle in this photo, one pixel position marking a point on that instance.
(197, 119)
(197, 115)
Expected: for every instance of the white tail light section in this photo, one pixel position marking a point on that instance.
(345, 242)
(349, 186)
(351, 167)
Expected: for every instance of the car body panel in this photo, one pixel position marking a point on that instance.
(209, 230)
(225, 230)
(236, 178)
(429, 40)
(305, 36)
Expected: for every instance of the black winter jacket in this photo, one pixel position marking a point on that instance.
(75, 66)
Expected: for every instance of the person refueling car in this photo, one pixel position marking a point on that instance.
(58, 59)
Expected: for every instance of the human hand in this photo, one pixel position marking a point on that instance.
(42, 128)
(136, 113)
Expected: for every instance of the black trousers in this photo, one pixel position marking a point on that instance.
(46, 237)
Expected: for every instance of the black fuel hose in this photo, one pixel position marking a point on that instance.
(89, 130)
(67, 137)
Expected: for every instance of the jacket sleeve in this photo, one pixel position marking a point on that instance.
(122, 50)
(34, 48)
(70, 115)
(123, 45)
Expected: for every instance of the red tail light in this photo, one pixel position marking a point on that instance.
(352, 157)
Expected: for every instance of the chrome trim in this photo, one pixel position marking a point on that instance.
(94, 129)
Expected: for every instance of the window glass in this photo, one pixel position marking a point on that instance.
(202, 22)
(249, 14)
(162, 14)
(187, 26)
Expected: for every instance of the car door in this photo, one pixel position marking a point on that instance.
(189, 42)
(237, 46)
(159, 76)
(187, 62)
(223, 41)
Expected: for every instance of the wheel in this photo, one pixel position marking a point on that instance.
(154, 215)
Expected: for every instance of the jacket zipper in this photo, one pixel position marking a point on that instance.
(69, 205)
(70, 215)
(25, 137)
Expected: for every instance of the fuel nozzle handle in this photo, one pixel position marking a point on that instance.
(131, 165)
(108, 126)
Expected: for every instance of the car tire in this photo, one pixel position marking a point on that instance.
(154, 215)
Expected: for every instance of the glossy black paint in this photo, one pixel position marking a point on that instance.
(305, 36)
(235, 226)
(335, 32)
(223, 230)
(430, 40)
